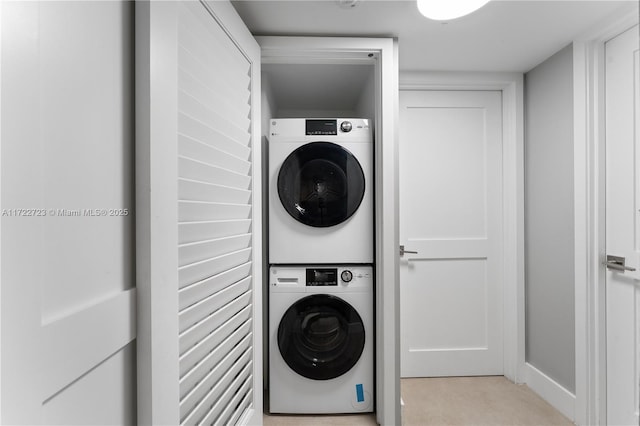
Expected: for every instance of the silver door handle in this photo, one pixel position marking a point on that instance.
(403, 251)
(617, 263)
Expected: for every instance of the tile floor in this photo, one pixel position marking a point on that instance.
(452, 401)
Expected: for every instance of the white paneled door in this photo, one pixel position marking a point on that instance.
(451, 290)
(623, 230)
(68, 296)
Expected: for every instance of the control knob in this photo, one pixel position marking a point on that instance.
(346, 126)
(346, 276)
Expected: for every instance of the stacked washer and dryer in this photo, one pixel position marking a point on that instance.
(321, 227)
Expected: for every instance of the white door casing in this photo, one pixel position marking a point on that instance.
(451, 214)
(340, 50)
(589, 61)
(511, 86)
(622, 88)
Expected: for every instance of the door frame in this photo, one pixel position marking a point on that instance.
(336, 50)
(589, 216)
(512, 87)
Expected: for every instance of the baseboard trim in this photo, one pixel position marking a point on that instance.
(552, 392)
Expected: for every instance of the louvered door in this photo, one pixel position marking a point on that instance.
(202, 264)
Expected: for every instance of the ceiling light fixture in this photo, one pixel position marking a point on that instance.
(444, 10)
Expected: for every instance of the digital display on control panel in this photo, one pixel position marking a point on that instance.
(322, 277)
(322, 127)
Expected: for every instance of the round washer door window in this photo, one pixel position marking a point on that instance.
(321, 184)
(321, 337)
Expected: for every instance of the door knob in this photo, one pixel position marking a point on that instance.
(403, 251)
(617, 263)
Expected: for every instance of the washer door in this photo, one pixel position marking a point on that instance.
(321, 184)
(321, 337)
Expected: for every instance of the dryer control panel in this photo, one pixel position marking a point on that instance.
(328, 127)
(313, 129)
(321, 127)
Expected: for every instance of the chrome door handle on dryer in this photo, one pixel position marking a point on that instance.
(403, 251)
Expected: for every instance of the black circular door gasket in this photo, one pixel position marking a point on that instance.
(321, 184)
(321, 337)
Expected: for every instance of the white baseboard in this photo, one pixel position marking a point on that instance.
(549, 390)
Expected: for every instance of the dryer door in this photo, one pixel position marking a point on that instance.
(321, 337)
(321, 184)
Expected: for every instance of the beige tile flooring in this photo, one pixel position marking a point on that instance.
(452, 401)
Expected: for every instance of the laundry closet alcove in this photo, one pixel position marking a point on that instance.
(199, 171)
(324, 77)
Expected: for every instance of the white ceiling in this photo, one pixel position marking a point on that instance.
(505, 35)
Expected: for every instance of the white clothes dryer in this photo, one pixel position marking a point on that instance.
(321, 358)
(320, 191)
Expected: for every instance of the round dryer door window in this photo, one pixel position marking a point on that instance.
(321, 184)
(321, 337)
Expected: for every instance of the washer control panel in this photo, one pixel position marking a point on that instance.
(321, 278)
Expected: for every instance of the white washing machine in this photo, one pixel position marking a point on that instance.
(320, 191)
(321, 339)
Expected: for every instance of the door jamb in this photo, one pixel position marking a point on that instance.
(335, 50)
(589, 217)
(512, 87)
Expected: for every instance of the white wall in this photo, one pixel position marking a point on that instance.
(366, 107)
(320, 90)
(68, 278)
(549, 219)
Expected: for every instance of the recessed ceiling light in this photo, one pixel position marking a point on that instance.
(444, 10)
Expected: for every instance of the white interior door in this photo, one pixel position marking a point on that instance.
(623, 227)
(68, 297)
(198, 215)
(451, 215)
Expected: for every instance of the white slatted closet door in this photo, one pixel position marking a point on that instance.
(214, 204)
(214, 222)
